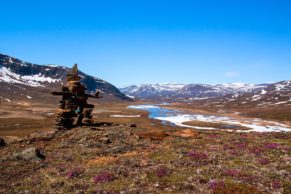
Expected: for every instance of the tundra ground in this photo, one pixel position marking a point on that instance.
(136, 155)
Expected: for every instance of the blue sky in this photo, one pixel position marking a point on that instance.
(148, 41)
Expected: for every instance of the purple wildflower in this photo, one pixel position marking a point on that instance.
(240, 175)
(241, 146)
(103, 176)
(272, 145)
(232, 172)
(263, 161)
(215, 184)
(162, 171)
(276, 185)
(198, 156)
(256, 150)
(280, 135)
(212, 136)
(248, 178)
(233, 153)
(75, 173)
(244, 136)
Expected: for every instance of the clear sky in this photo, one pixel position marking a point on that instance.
(148, 41)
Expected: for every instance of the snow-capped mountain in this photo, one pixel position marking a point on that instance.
(170, 91)
(152, 91)
(271, 95)
(23, 80)
(232, 94)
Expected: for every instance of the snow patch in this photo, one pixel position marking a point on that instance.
(263, 92)
(142, 107)
(6, 75)
(7, 99)
(177, 118)
(197, 98)
(282, 86)
(52, 65)
(283, 102)
(253, 124)
(129, 96)
(125, 116)
(256, 97)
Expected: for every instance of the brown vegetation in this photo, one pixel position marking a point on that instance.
(140, 155)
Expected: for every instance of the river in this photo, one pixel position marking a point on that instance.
(178, 118)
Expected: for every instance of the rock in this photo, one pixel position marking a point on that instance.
(39, 154)
(2, 142)
(118, 149)
(44, 137)
(39, 136)
(61, 128)
(156, 185)
(136, 137)
(105, 140)
(83, 140)
(133, 125)
(96, 129)
(30, 153)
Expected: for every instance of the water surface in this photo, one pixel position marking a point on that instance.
(178, 118)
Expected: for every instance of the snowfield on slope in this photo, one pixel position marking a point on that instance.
(6, 75)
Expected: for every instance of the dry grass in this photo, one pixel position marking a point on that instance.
(184, 161)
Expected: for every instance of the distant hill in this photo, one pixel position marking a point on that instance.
(276, 94)
(233, 94)
(169, 91)
(21, 80)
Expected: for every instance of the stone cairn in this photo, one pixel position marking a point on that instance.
(74, 102)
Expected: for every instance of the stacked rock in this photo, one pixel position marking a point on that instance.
(74, 102)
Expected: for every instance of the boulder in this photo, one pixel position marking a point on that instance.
(30, 154)
(2, 142)
(133, 125)
(105, 140)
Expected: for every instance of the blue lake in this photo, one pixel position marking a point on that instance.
(156, 112)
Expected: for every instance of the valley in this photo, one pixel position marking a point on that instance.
(145, 97)
(126, 151)
(207, 139)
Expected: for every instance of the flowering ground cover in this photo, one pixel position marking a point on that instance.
(115, 159)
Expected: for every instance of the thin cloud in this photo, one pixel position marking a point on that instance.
(231, 74)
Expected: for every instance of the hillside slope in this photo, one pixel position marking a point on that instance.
(24, 81)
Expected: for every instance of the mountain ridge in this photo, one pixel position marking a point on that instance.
(187, 90)
(231, 94)
(17, 76)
